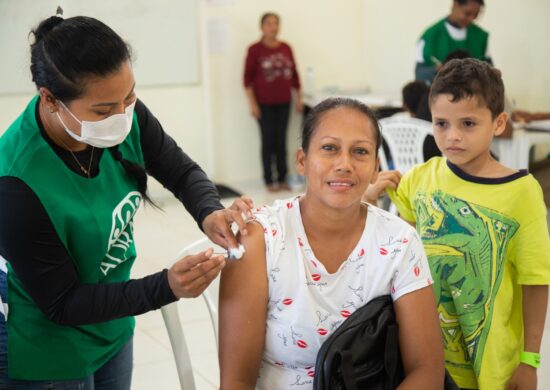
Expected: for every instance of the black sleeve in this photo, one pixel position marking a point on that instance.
(174, 169)
(29, 242)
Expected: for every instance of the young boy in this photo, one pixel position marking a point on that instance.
(484, 229)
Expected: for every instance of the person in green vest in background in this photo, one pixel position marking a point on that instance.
(456, 32)
(73, 172)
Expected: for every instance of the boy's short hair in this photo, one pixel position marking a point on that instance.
(465, 78)
(412, 94)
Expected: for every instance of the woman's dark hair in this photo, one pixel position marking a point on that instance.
(267, 15)
(468, 78)
(66, 53)
(136, 171)
(317, 112)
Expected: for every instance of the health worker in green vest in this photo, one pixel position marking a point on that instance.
(454, 33)
(73, 171)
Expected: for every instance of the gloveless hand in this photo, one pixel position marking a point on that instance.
(190, 276)
(523, 378)
(217, 225)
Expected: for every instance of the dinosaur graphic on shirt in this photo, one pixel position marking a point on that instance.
(466, 246)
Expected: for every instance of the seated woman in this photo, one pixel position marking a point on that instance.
(312, 260)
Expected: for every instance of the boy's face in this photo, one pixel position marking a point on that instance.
(464, 129)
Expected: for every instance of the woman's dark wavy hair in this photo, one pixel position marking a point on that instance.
(66, 53)
(317, 112)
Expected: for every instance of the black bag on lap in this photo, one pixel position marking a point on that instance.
(363, 353)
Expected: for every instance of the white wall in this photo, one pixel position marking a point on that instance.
(183, 114)
(519, 31)
(325, 34)
(362, 43)
(349, 43)
(181, 111)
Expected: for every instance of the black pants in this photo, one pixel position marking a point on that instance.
(273, 124)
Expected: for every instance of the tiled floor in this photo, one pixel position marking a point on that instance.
(159, 237)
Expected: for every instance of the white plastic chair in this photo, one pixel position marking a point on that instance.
(405, 139)
(170, 314)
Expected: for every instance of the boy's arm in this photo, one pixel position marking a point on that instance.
(535, 301)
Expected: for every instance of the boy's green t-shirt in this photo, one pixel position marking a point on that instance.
(484, 239)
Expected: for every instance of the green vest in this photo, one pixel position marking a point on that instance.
(93, 218)
(439, 44)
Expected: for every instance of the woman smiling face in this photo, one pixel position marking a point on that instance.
(340, 159)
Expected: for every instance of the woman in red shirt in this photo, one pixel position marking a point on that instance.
(269, 76)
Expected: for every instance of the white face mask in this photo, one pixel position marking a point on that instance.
(104, 133)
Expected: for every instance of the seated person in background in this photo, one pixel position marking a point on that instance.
(485, 232)
(415, 102)
(455, 32)
(314, 259)
(415, 99)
